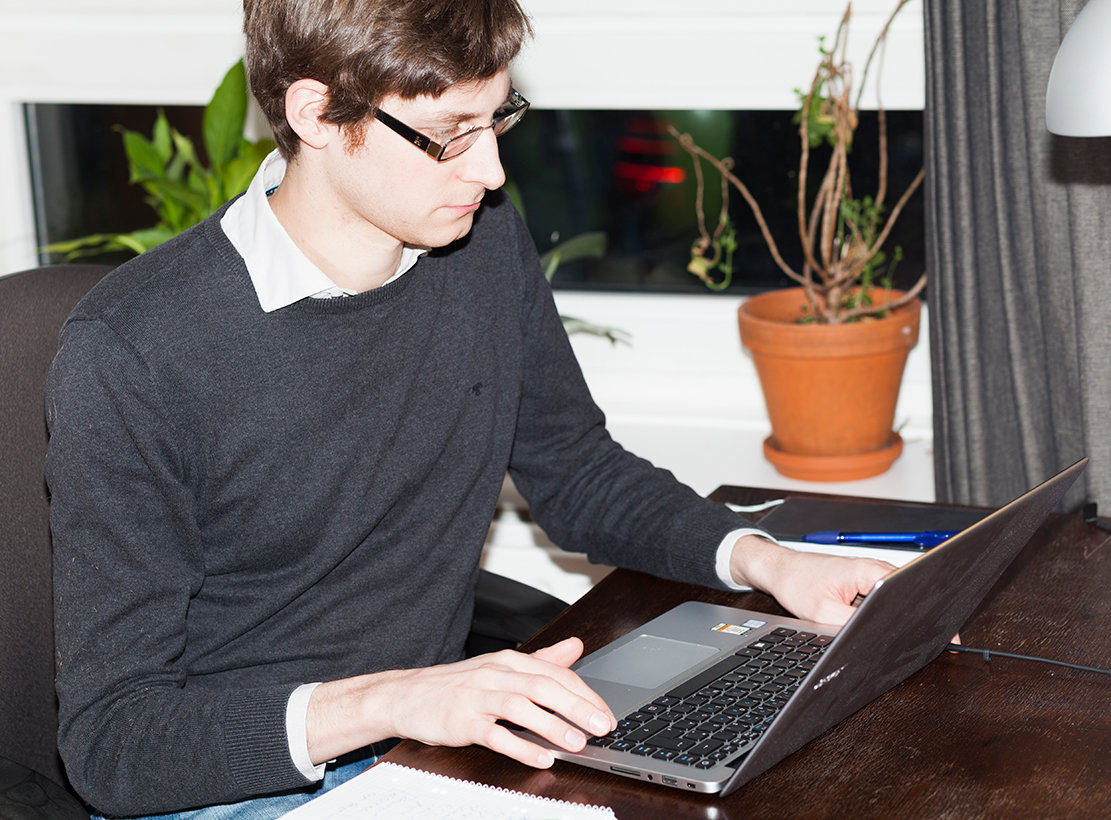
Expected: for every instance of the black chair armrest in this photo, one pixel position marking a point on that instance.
(507, 613)
(27, 795)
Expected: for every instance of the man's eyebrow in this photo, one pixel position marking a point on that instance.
(452, 118)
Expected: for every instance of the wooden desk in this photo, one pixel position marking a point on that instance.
(961, 738)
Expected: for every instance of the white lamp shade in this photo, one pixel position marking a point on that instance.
(1078, 99)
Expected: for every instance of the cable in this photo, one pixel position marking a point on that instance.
(987, 654)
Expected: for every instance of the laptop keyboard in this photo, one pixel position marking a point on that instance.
(720, 713)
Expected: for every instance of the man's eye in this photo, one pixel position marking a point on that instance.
(444, 134)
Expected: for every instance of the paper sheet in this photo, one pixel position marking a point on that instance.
(892, 556)
(388, 790)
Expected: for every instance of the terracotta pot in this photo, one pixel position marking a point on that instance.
(830, 390)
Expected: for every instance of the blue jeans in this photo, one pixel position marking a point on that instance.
(268, 808)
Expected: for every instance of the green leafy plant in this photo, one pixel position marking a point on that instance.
(181, 188)
(841, 234)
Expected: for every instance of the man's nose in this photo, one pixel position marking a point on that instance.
(481, 162)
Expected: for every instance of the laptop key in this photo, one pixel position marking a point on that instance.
(646, 731)
(692, 685)
(672, 739)
(708, 746)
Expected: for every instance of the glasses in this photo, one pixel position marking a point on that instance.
(505, 118)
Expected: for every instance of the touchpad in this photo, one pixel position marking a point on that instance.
(647, 661)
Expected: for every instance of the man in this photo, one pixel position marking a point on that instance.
(278, 439)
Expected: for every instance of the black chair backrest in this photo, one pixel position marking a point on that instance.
(33, 306)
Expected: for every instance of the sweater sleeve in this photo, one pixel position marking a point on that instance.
(134, 736)
(585, 490)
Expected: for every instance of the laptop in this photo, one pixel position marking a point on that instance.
(708, 697)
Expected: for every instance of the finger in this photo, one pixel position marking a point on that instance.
(563, 653)
(552, 686)
(566, 695)
(501, 740)
(560, 727)
(834, 613)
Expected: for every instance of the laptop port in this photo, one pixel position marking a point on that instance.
(670, 781)
(629, 772)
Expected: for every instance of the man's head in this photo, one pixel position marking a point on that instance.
(366, 50)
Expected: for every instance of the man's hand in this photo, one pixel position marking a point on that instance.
(460, 703)
(810, 585)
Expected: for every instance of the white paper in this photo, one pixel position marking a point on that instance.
(388, 790)
(892, 556)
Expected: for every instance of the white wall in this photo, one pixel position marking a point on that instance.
(683, 394)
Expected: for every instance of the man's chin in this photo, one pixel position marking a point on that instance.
(452, 232)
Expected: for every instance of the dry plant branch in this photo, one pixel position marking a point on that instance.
(841, 235)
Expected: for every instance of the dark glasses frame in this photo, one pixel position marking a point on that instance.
(505, 118)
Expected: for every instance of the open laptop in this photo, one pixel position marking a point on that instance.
(708, 697)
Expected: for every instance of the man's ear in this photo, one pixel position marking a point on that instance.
(305, 101)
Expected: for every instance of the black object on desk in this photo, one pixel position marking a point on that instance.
(799, 516)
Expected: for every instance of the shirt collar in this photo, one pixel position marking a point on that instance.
(280, 272)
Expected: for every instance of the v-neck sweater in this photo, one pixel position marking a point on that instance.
(243, 501)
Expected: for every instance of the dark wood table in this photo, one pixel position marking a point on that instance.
(961, 738)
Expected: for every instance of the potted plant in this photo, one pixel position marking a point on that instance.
(830, 351)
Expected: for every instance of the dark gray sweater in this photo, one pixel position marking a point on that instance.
(243, 502)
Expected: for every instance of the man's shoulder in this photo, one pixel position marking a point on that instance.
(196, 268)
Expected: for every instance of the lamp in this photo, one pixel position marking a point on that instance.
(1078, 99)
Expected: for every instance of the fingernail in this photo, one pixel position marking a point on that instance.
(545, 760)
(599, 724)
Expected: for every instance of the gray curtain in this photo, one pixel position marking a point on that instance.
(1019, 259)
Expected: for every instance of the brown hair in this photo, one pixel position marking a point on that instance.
(365, 50)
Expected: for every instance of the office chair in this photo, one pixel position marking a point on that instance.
(33, 306)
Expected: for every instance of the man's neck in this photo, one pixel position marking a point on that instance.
(355, 259)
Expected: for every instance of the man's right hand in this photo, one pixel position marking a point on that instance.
(461, 703)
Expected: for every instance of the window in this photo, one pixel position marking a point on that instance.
(617, 172)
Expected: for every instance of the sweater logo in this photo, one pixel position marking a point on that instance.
(476, 389)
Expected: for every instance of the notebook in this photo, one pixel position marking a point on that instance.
(694, 716)
(798, 516)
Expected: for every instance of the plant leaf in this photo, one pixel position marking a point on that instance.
(225, 117)
(172, 190)
(160, 136)
(236, 175)
(584, 245)
(143, 158)
(144, 239)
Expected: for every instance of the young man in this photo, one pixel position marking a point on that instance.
(277, 442)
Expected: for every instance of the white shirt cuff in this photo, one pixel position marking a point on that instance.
(725, 553)
(297, 731)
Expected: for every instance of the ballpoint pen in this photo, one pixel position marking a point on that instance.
(921, 541)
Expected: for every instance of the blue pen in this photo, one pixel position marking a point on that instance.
(898, 540)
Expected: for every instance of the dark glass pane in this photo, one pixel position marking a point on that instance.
(622, 173)
(79, 172)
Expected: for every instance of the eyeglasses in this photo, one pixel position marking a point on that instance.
(505, 118)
